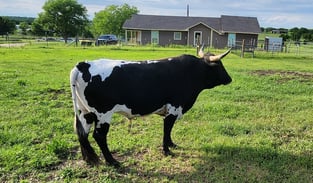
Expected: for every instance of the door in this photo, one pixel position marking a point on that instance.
(197, 38)
(154, 37)
(231, 40)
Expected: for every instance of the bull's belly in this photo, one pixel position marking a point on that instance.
(165, 110)
(128, 112)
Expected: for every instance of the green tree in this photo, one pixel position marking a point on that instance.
(6, 26)
(295, 34)
(308, 36)
(37, 27)
(111, 19)
(269, 29)
(24, 26)
(64, 17)
(285, 37)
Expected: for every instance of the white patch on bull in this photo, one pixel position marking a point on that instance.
(104, 67)
(170, 59)
(84, 123)
(152, 61)
(121, 109)
(127, 112)
(176, 111)
(169, 109)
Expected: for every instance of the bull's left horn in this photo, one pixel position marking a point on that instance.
(201, 53)
(218, 57)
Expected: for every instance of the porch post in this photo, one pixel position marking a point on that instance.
(188, 38)
(126, 41)
(211, 39)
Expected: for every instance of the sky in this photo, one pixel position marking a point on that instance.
(270, 13)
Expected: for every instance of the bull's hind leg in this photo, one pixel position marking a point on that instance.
(82, 129)
(167, 139)
(100, 135)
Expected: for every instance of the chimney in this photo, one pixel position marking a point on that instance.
(187, 10)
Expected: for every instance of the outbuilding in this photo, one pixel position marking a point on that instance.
(273, 44)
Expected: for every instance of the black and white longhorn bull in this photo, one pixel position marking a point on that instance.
(168, 87)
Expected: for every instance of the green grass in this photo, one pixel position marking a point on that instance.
(257, 129)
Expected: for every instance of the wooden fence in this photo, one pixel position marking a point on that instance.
(244, 47)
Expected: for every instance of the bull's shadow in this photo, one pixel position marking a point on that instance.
(247, 164)
(240, 164)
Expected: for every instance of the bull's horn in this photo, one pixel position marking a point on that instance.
(201, 53)
(215, 58)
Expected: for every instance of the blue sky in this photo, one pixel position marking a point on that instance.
(270, 13)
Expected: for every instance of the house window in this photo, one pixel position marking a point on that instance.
(177, 36)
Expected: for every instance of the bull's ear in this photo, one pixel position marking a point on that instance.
(214, 58)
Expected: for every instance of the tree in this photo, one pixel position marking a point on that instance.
(308, 36)
(6, 26)
(37, 27)
(269, 29)
(64, 17)
(111, 19)
(24, 26)
(295, 34)
(285, 37)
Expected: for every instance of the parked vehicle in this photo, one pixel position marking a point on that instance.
(69, 40)
(46, 39)
(106, 39)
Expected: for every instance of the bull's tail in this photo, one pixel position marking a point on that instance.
(73, 81)
(87, 151)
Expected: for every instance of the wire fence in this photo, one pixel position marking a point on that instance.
(242, 48)
(296, 48)
(299, 48)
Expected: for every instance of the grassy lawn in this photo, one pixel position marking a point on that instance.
(257, 129)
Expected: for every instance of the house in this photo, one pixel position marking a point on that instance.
(184, 30)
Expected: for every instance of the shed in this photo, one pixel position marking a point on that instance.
(273, 44)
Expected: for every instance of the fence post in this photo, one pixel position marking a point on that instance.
(242, 49)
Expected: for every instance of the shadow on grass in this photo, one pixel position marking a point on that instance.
(236, 164)
(246, 164)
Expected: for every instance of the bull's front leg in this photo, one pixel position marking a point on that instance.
(100, 135)
(167, 140)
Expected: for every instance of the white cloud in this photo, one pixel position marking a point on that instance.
(287, 21)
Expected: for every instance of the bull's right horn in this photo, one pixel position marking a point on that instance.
(218, 57)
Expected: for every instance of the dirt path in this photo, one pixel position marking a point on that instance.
(13, 45)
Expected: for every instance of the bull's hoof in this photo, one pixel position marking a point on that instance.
(168, 153)
(114, 164)
(93, 161)
(172, 145)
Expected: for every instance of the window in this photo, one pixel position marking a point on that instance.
(177, 36)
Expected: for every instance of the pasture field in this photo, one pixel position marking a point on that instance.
(257, 129)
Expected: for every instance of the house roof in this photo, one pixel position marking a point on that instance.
(239, 24)
(235, 24)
